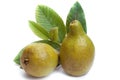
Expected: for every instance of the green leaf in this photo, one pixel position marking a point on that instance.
(48, 19)
(76, 13)
(17, 58)
(53, 44)
(38, 30)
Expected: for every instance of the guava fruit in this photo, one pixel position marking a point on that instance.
(77, 51)
(39, 59)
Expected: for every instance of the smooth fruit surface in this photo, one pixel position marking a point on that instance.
(39, 59)
(77, 51)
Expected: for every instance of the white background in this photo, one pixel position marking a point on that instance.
(103, 24)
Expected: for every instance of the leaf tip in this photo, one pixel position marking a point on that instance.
(31, 23)
(77, 2)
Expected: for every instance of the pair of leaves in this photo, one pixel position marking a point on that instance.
(53, 44)
(47, 19)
